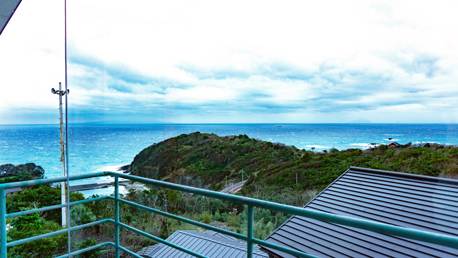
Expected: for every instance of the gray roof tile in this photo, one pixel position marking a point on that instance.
(412, 201)
(209, 243)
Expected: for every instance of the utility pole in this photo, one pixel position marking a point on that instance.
(296, 178)
(243, 172)
(61, 93)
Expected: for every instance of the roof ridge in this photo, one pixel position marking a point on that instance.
(406, 175)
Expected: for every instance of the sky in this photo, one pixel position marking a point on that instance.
(232, 62)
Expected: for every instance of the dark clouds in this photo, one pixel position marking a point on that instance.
(265, 87)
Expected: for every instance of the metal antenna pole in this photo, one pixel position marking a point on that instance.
(62, 157)
(66, 136)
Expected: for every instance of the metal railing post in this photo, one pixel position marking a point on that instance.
(117, 216)
(250, 231)
(3, 223)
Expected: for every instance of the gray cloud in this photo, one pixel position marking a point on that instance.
(330, 87)
(271, 69)
(415, 63)
(115, 76)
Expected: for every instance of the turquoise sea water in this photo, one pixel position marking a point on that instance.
(95, 148)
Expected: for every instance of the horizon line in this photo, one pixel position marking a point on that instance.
(283, 123)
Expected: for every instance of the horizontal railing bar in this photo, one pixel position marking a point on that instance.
(26, 240)
(189, 221)
(129, 252)
(439, 239)
(161, 240)
(50, 180)
(283, 249)
(21, 213)
(87, 249)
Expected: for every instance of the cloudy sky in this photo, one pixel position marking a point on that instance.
(232, 62)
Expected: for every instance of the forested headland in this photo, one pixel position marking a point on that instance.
(205, 160)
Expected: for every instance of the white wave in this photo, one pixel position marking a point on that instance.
(104, 191)
(111, 168)
(40, 148)
(420, 142)
(361, 144)
(366, 145)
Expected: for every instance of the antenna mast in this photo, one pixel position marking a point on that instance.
(61, 93)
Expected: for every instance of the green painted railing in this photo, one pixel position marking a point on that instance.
(439, 239)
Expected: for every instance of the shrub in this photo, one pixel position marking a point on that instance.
(206, 217)
(80, 214)
(50, 245)
(88, 242)
(233, 220)
(217, 216)
(43, 196)
(262, 230)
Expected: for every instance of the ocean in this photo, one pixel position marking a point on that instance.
(100, 147)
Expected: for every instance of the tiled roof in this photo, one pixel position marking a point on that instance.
(406, 200)
(208, 243)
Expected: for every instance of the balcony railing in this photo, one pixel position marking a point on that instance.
(439, 239)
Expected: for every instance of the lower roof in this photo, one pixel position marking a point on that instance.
(208, 243)
(406, 200)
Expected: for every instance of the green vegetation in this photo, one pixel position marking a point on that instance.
(204, 160)
(39, 196)
(45, 222)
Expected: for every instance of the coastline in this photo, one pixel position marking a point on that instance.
(102, 147)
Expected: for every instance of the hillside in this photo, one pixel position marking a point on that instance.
(204, 160)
